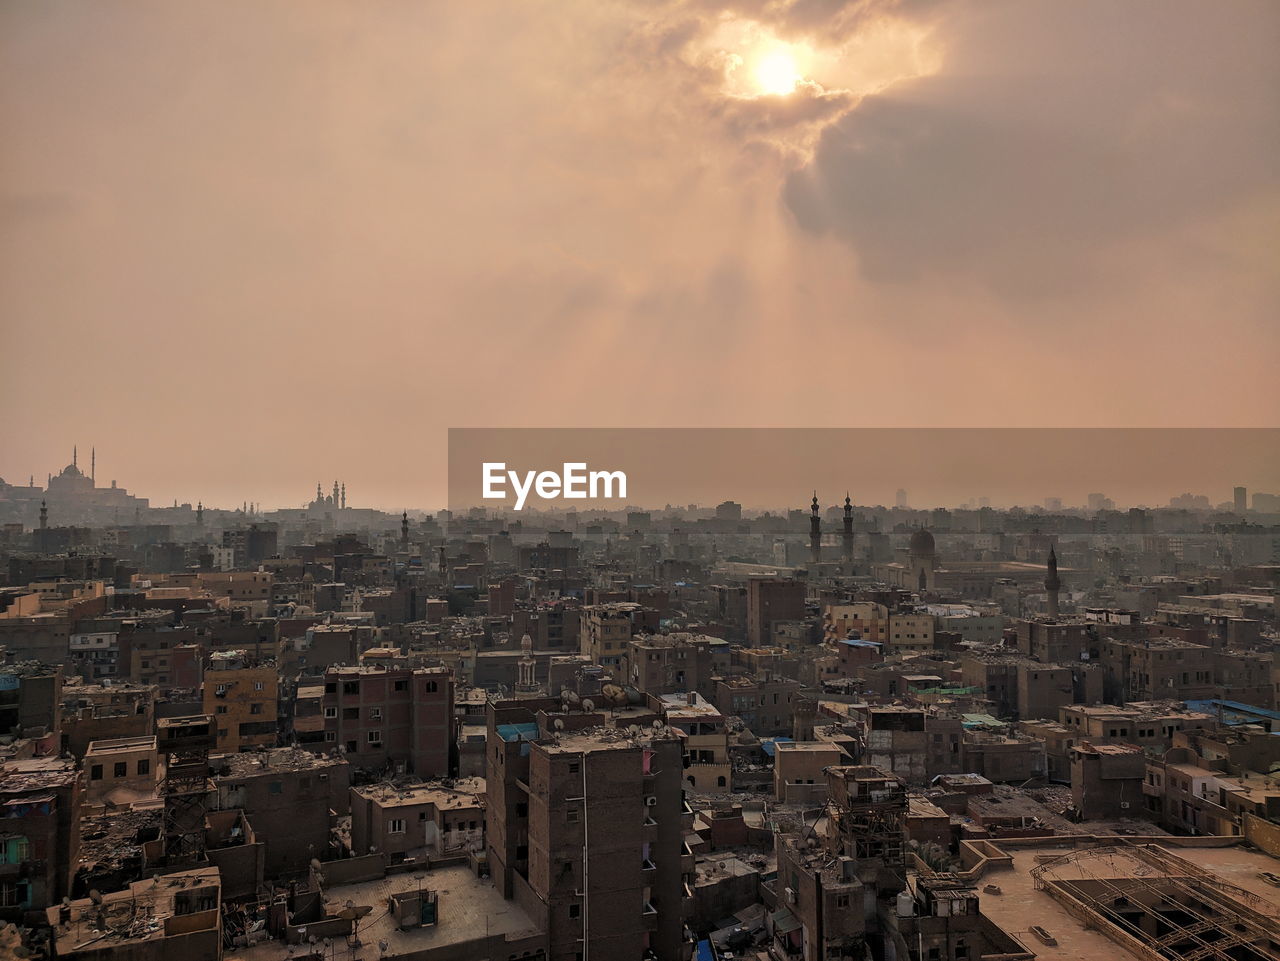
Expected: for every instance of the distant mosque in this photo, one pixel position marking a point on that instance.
(73, 497)
(919, 569)
(335, 501)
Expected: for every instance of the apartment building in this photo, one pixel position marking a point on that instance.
(400, 719)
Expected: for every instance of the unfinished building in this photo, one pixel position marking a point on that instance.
(1159, 906)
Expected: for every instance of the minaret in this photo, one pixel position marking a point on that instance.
(319, 496)
(199, 513)
(93, 465)
(1053, 584)
(44, 515)
(344, 496)
(404, 530)
(526, 682)
(815, 532)
(848, 528)
(75, 460)
(335, 493)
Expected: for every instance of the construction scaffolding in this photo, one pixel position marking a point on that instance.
(1159, 906)
(185, 743)
(865, 813)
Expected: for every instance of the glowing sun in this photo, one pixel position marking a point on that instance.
(776, 73)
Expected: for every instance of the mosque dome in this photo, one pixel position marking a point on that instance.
(921, 542)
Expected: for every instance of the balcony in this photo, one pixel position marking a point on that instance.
(648, 872)
(649, 917)
(688, 860)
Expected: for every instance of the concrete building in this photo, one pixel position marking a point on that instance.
(172, 916)
(242, 697)
(1106, 780)
(120, 771)
(430, 819)
(400, 719)
(40, 837)
(771, 599)
(799, 770)
(288, 795)
(585, 831)
(705, 736)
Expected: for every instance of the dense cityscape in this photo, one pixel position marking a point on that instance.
(830, 731)
(639, 480)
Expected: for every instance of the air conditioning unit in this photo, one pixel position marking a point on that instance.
(1124, 805)
(650, 801)
(791, 894)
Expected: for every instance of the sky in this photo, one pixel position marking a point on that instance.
(246, 246)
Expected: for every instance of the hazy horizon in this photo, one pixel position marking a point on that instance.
(249, 246)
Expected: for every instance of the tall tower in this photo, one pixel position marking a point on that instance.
(526, 682)
(404, 530)
(1053, 584)
(199, 513)
(75, 458)
(93, 465)
(44, 515)
(815, 532)
(344, 496)
(847, 534)
(335, 494)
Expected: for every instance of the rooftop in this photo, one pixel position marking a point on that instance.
(275, 760)
(445, 795)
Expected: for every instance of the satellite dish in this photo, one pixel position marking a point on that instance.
(588, 705)
(559, 724)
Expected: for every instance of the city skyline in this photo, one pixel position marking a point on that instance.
(345, 232)
(886, 492)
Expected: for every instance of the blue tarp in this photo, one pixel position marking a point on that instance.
(518, 732)
(768, 746)
(704, 952)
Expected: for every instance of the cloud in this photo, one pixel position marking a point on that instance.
(1054, 137)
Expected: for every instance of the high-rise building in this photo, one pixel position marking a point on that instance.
(1241, 500)
(771, 599)
(585, 829)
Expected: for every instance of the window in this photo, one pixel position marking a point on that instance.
(259, 685)
(574, 767)
(430, 687)
(399, 685)
(396, 826)
(14, 850)
(375, 737)
(575, 910)
(353, 746)
(375, 714)
(255, 708)
(275, 787)
(95, 773)
(221, 709)
(571, 815)
(120, 769)
(842, 900)
(330, 712)
(144, 766)
(330, 735)
(350, 687)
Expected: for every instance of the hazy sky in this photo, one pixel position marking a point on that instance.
(248, 246)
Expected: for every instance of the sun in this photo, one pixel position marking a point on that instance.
(776, 73)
